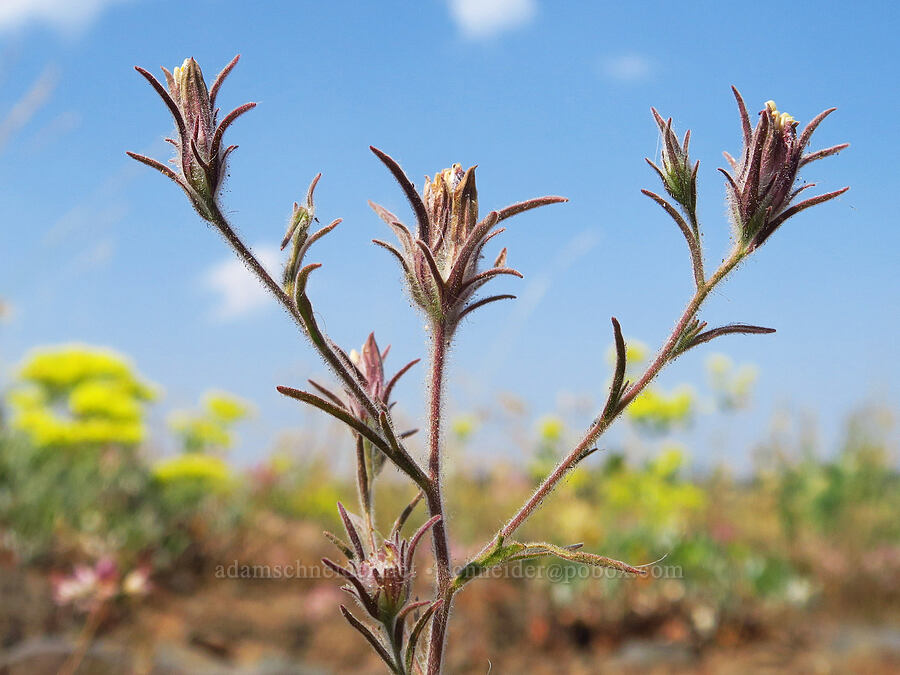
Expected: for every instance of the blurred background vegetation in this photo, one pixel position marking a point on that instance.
(804, 543)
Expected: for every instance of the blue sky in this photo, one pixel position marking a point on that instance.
(547, 98)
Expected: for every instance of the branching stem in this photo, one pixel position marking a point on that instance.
(665, 355)
(331, 358)
(318, 341)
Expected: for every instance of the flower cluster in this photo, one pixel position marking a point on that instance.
(441, 261)
(88, 587)
(381, 578)
(762, 189)
(202, 469)
(368, 366)
(200, 158)
(678, 176)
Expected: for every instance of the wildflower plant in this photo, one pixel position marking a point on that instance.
(211, 428)
(441, 260)
(77, 397)
(92, 590)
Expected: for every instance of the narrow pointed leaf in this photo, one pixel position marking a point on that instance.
(395, 252)
(515, 209)
(340, 544)
(368, 603)
(438, 280)
(819, 154)
(473, 244)
(792, 211)
(375, 642)
(326, 392)
(225, 123)
(745, 118)
(811, 127)
(351, 532)
(656, 169)
(615, 389)
(682, 225)
(586, 558)
(333, 410)
(487, 275)
(393, 381)
(411, 607)
(173, 108)
(416, 632)
(414, 540)
(485, 301)
(220, 78)
(730, 329)
(159, 166)
(415, 201)
(405, 514)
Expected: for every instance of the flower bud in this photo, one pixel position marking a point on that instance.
(200, 157)
(297, 235)
(761, 188)
(381, 579)
(678, 176)
(387, 579)
(441, 261)
(192, 97)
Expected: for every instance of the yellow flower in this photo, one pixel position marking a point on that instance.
(225, 406)
(659, 411)
(79, 395)
(551, 428)
(196, 467)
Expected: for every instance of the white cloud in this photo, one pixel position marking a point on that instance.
(29, 104)
(240, 292)
(62, 14)
(96, 255)
(485, 18)
(627, 67)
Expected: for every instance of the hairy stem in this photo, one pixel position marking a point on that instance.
(364, 489)
(434, 499)
(318, 341)
(331, 358)
(697, 251)
(603, 423)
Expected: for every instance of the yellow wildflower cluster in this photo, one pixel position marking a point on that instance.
(77, 395)
(211, 427)
(659, 411)
(197, 467)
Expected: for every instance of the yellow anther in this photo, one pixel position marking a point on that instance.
(780, 120)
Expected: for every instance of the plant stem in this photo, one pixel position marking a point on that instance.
(602, 424)
(434, 499)
(697, 251)
(364, 489)
(319, 341)
(85, 639)
(331, 358)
